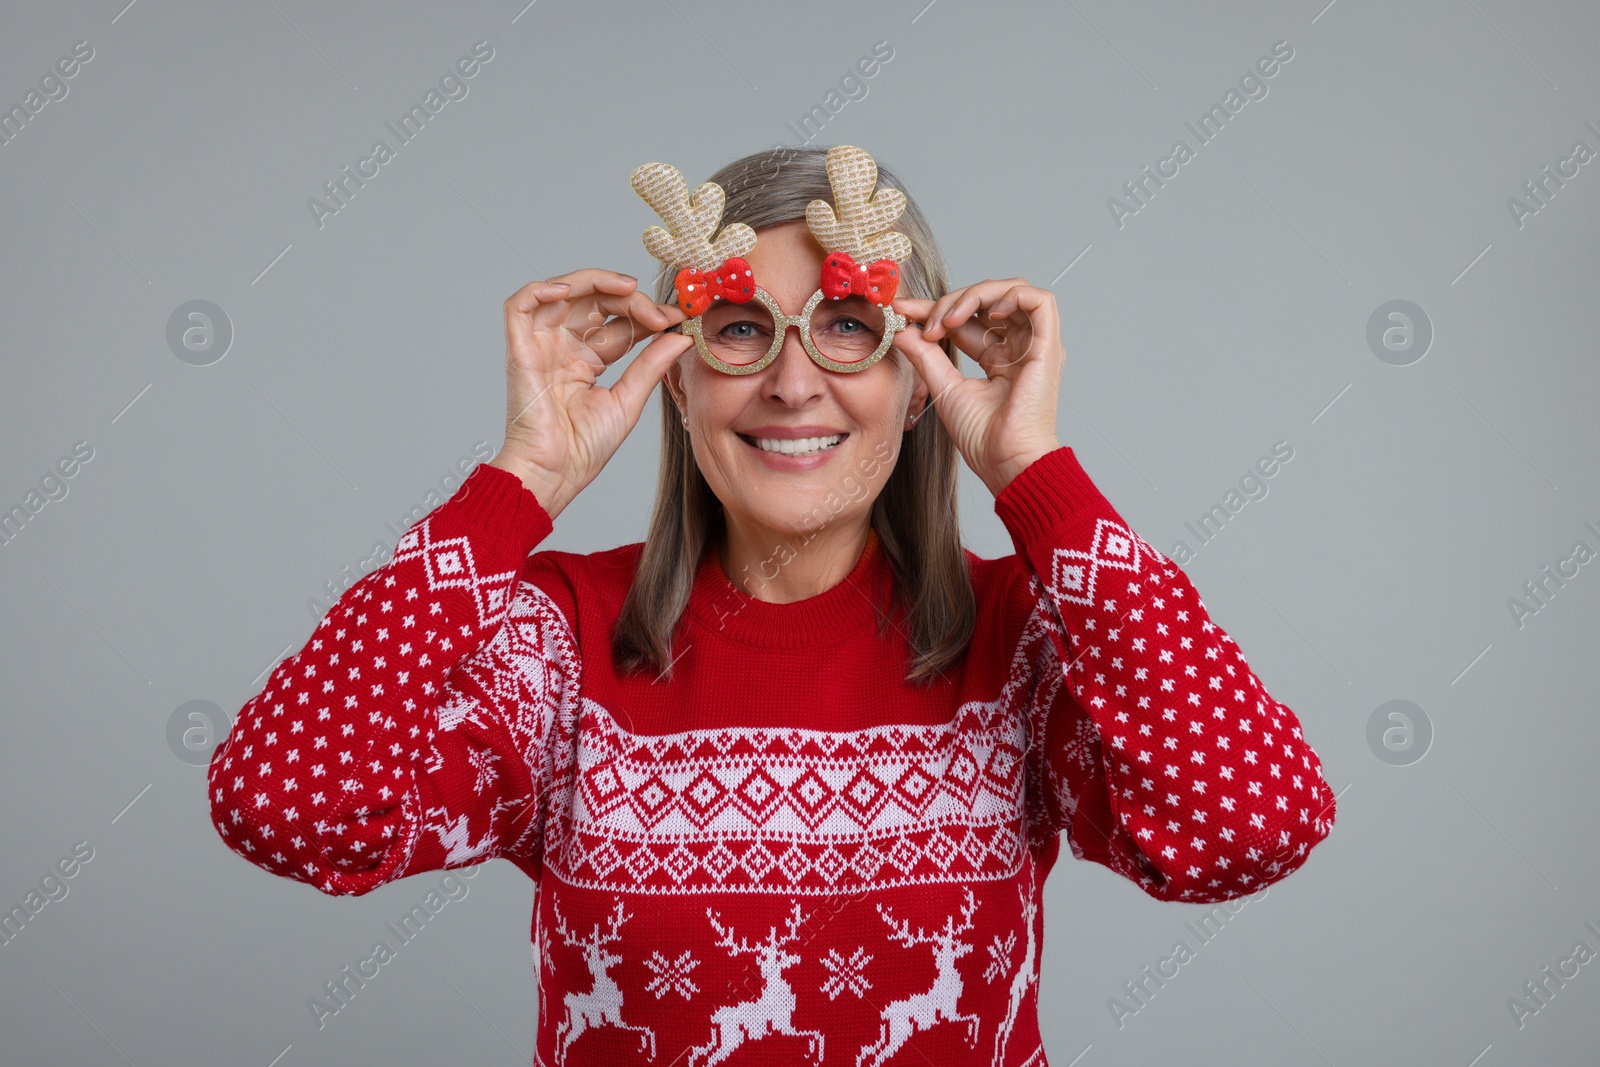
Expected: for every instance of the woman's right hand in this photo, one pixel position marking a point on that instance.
(562, 428)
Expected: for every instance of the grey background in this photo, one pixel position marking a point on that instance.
(1227, 315)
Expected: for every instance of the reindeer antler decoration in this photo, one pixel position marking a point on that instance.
(855, 229)
(708, 269)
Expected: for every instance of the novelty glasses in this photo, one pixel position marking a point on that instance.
(738, 327)
(845, 335)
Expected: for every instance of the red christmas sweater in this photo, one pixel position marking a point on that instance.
(784, 853)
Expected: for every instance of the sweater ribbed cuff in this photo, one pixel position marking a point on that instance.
(498, 511)
(1049, 493)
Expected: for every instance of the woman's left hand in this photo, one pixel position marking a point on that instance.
(1006, 420)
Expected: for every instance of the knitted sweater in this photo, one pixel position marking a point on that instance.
(783, 853)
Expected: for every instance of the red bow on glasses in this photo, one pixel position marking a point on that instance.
(697, 289)
(843, 276)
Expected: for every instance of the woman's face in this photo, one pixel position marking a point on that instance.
(732, 416)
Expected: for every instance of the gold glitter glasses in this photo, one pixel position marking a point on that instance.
(845, 335)
(738, 328)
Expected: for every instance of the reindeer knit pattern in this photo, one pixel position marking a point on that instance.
(782, 853)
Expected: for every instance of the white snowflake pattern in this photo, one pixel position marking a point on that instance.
(999, 957)
(483, 762)
(1081, 748)
(672, 976)
(845, 975)
(1066, 800)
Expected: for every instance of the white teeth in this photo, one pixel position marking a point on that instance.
(800, 446)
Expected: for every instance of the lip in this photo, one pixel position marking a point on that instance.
(778, 461)
(791, 432)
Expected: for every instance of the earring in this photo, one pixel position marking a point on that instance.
(686, 420)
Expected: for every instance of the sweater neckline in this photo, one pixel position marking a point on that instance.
(847, 610)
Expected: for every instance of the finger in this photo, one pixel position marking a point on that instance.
(640, 377)
(986, 293)
(521, 305)
(536, 293)
(930, 361)
(591, 278)
(958, 305)
(915, 308)
(936, 311)
(582, 284)
(635, 306)
(1030, 313)
(614, 337)
(569, 286)
(975, 338)
(1003, 306)
(1011, 300)
(958, 312)
(1006, 334)
(979, 325)
(634, 317)
(532, 305)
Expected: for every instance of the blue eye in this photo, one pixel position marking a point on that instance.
(844, 325)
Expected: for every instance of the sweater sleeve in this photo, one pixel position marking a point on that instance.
(1162, 756)
(409, 734)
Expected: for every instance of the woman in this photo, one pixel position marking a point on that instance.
(811, 812)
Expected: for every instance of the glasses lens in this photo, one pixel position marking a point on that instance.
(737, 334)
(847, 330)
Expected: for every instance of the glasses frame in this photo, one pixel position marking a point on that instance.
(893, 323)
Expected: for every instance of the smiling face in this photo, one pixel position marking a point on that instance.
(745, 428)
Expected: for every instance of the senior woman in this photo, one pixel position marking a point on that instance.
(791, 772)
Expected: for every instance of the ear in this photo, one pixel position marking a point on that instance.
(672, 382)
(919, 398)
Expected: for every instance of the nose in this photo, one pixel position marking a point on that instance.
(793, 378)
